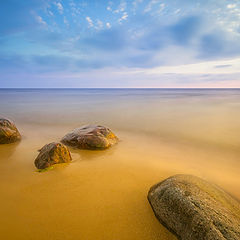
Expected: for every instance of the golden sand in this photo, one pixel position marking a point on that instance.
(101, 194)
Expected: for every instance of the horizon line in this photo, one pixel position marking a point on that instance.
(89, 88)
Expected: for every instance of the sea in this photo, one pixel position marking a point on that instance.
(102, 195)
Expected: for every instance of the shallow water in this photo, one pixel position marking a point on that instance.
(102, 194)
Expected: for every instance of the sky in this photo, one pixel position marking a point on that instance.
(111, 44)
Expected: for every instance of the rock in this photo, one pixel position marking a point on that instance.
(8, 132)
(52, 153)
(90, 137)
(194, 209)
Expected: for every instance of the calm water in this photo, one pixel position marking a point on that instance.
(102, 195)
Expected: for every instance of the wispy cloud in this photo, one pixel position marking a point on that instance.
(174, 36)
(99, 24)
(40, 20)
(121, 8)
(50, 13)
(90, 22)
(59, 7)
(150, 5)
(231, 6)
(124, 17)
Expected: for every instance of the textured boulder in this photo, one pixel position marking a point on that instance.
(90, 137)
(194, 209)
(52, 153)
(8, 132)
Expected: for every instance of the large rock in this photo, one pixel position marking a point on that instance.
(90, 137)
(52, 153)
(194, 209)
(8, 132)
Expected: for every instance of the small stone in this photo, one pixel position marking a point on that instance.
(90, 137)
(52, 153)
(8, 132)
(194, 209)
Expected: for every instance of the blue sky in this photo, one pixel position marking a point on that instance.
(155, 43)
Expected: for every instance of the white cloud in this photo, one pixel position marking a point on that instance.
(108, 25)
(230, 6)
(208, 67)
(150, 5)
(60, 7)
(40, 20)
(90, 22)
(109, 8)
(50, 13)
(99, 24)
(124, 17)
(121, 8)
(162, 6)
(177, 11)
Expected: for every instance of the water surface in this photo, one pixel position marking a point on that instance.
(102, 194)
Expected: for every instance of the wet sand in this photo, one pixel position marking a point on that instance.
(103, 194)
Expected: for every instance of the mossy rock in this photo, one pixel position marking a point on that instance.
(52, 153)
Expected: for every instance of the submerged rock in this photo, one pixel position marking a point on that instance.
(194, 209)
(90, 137)
(8, 132)
(52, 153)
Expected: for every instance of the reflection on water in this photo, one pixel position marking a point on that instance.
(7, 150)
(102, 195)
